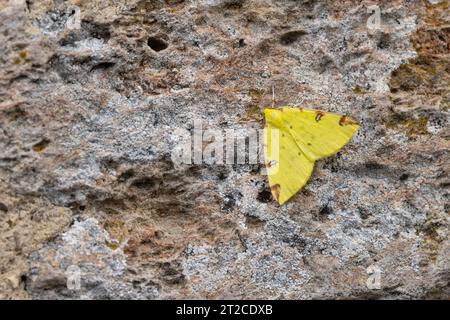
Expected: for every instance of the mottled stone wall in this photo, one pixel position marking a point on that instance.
(95, 96)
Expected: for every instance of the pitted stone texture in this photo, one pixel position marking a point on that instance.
(92, 109)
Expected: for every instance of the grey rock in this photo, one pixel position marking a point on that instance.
(91, 112)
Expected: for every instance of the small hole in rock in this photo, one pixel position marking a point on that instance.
(127, 174)
(264, 196)
(291, 37)
(3, 207)
(40, 146)
(143, 183)
(383, 42)
(325, 210)
(157, 44)
(103, 66)
(222, 175)
(23, 279)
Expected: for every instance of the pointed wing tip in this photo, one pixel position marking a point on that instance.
(276, 193)
(280, 202)
(355, 127)
(347, 121)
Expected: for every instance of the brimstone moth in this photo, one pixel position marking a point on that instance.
(294, 139)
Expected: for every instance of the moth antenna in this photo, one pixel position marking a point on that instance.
(273, 97)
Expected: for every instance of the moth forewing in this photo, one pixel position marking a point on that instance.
(272, 150)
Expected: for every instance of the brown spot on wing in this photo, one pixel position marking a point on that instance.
(270, 164)
(319, 115)
(275, 189)
(344, 120)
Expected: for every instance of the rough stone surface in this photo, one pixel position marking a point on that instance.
(91, 110)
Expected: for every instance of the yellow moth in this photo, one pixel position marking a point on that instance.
(294, 139)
